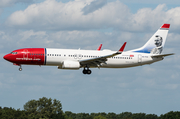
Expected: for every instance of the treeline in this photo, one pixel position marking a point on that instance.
(45, 108)
(123, 115)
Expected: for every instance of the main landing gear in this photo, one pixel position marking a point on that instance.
(86, 70)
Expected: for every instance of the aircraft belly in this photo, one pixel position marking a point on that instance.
(119, 64)
(53, 61)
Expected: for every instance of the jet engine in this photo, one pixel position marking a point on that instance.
(69, 65)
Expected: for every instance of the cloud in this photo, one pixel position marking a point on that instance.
(174, 2)
(93, 6)
(55, 15)
(7, 3)
(74, 15)
(63, 39)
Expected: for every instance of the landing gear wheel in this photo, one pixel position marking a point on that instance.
(88, 71)
(84, 71)
(20, 69)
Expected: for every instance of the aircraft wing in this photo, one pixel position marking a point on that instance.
(162, 55)
(98, 60)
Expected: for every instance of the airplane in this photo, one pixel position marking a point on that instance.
(75, 59)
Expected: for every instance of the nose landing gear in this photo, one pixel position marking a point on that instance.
(86, 70)
(20, 68)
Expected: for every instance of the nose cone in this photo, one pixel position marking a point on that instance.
(7, 57)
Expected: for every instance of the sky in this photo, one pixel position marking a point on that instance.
(85, 24)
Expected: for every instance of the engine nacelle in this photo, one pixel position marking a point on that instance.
(69, 65)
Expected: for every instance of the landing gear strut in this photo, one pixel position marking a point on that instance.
(86, 70)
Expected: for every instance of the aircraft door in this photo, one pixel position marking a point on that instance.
(139, 58)
(25, 54)
(77, 56)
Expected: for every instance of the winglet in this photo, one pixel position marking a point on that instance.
(99, 48)
(122, 48)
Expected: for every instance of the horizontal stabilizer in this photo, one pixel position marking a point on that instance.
(162, 55)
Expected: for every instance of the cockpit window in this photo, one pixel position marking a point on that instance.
(14, 53)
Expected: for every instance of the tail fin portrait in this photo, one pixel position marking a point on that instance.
(156, 43)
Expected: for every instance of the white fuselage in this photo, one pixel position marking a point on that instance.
(55, 57)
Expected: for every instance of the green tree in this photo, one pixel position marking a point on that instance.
(171, 115)
(94, 115)
(70, 115)
(111, 116)
(82, 116)
(10, 113)
(124, 115)
(99, 117)
(44, 108)
(138, 116)
(102, 114)
(151, 116)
